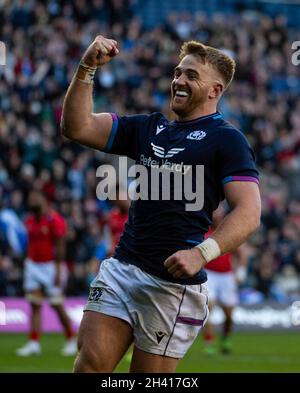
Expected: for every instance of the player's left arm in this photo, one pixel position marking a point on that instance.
(233, 230)
(244, 217)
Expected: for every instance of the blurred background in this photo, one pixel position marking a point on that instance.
(44, 42)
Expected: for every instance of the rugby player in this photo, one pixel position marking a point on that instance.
(44, 273)
(152, 293)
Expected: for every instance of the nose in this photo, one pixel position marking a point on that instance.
(180, 80)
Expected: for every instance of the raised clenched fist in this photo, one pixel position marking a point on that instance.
(101, 51)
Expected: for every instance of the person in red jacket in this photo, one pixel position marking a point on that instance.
(44, 271)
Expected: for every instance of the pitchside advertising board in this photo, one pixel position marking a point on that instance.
(15, 314)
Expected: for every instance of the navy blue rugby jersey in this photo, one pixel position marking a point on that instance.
(158, 228)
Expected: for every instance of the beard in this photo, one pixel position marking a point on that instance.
(181, 110)
(184, 107)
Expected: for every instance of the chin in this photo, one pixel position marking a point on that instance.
(177, 107)
(182, 112)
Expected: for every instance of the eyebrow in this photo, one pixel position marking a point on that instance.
(190, 70)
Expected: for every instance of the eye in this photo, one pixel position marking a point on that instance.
(192, 76)
(176, 73)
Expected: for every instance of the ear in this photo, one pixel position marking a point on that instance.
(215, 91)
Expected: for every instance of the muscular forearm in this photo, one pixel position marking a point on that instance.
(79, 123)
(230, 233)
(77, 108)
(236, 227)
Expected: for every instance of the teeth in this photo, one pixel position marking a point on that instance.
(181, 93)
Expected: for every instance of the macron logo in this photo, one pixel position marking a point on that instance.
(160, 151)
(196, 135)
(160, 336)
(159, 129)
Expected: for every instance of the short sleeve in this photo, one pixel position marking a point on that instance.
(59, 227)
(236, 158)
(123, 138)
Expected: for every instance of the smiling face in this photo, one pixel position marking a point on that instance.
(196, 88)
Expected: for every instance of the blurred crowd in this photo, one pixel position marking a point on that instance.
(45, 41)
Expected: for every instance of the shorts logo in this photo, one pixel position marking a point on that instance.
(160, 336)
(95, 294)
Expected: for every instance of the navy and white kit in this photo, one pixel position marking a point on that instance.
(158, 228)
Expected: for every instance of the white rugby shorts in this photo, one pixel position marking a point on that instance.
(222, 288)
(42, 276)
(165, 317)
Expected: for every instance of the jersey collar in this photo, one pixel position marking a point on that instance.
(201, 119)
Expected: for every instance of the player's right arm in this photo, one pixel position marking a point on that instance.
(79, 123)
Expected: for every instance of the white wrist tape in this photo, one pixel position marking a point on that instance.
(209, 249)
(86, 73)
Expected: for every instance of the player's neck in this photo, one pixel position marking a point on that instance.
(199, 112)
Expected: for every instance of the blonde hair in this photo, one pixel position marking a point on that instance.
(221, 62)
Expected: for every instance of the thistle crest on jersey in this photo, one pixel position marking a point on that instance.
(196, 135)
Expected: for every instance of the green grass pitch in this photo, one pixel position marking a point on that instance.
(252, 352)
